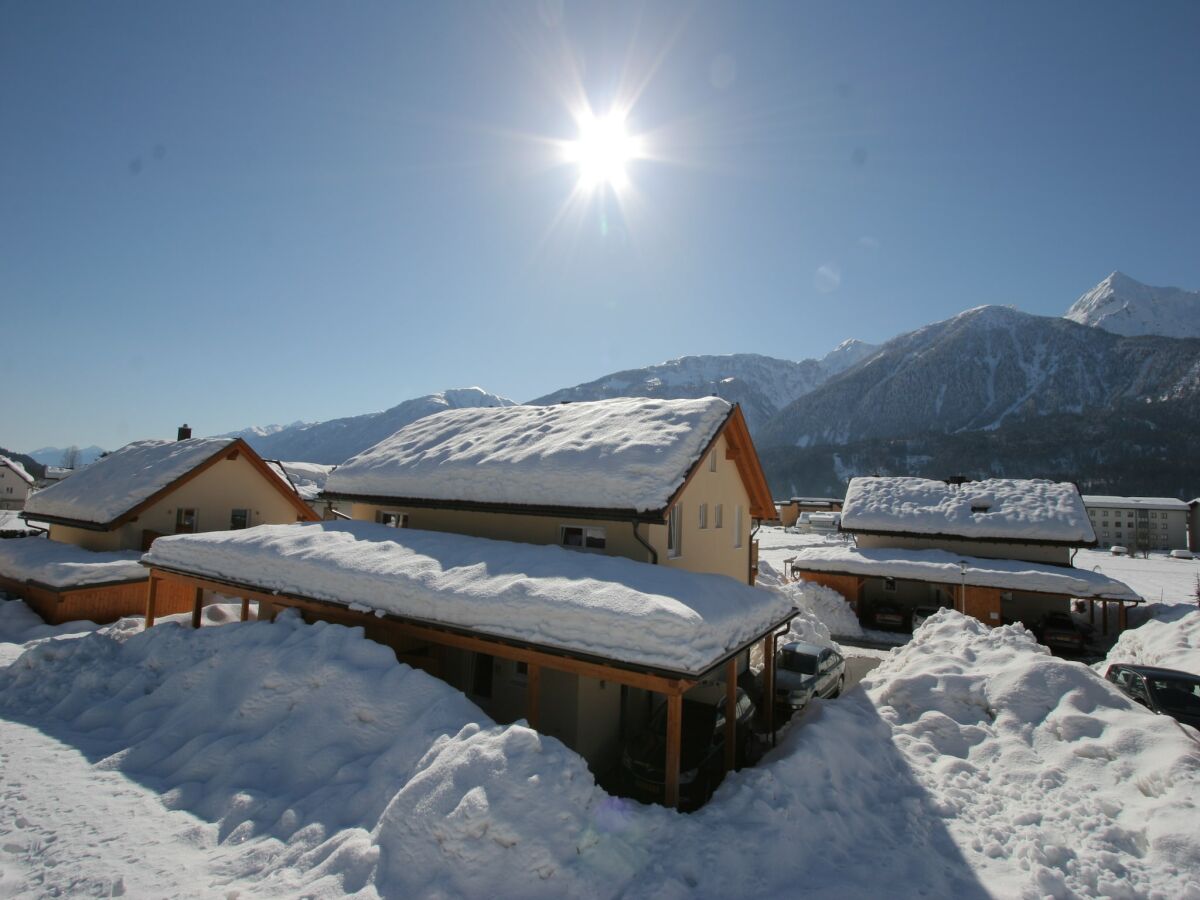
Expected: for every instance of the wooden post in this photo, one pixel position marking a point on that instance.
(674, 735)
(1092, 611)
(1122, 617)
(197, 607)
(533, 692)
(245, 608)
(731, 715)
(769, 684)
(151, 596)
(1104, 612)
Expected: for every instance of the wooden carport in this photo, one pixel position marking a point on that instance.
(672, 685)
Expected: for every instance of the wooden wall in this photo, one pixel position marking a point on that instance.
(106, 603)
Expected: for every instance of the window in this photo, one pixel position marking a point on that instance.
(703, 515)
(1154, 515)
(580, 537)
(481, 681)
(737, 528)
(717, 516)
(185, 521)
(674, 533)
(239, 518)
(392, 519)
(712, 461)
(889, 584)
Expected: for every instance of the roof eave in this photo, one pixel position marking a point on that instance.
(942, 535)
(526, 509)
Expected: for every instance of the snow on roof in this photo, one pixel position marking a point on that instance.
(602, 605)
(115, 484)
(307, 478)
(943, 567)
(1169, 503)
(17, 468)
(627, 453)
(996, 508)
(59, 565)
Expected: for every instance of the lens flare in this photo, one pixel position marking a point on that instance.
(602, 150)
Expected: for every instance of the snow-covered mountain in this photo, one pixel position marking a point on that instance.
(979, 369)
(763, 385)
(335, 441)
(1124, 306)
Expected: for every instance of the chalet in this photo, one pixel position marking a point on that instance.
(672, 482)
(15, 484)
(151, 488)
(999, 549)
(791, 510)
(578, 644)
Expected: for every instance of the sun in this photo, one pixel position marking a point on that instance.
(602, 150)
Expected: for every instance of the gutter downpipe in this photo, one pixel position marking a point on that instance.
(638, 537)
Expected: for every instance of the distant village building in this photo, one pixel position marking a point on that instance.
(1139, 523)
(999, 549)
(791, 510)
(103, 516)
(672, 482)
(15, 484)
(53, 475)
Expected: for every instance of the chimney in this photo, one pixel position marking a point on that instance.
(184, 432)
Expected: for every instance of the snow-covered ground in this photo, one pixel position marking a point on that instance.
(286, 759)
(1159, 579)
(1172, 641)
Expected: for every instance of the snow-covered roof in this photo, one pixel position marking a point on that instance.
(307, 478)
(586, 603)
(59, 565)
(1008, 509)
(17, 468)
(1168, 503)
(115, 484)
(621, 454)
(943, 567)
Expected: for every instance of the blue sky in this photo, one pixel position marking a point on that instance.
(235, 214)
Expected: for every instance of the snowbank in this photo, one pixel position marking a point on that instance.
(1009, 508)
(333, 766)
(308, 479)
(1172, 642)
(972, 765)
(603, 605)
(628, 454)
(120, 481)
(941, 567)
(60, 565)
(21, 626)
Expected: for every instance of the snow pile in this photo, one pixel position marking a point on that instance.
(603, 605)
(826, 605)
(60, 565)
(626, 454)
(1009, 508)
(1172, 642)
(331, 767)
(942, 567)
(20, 626)
(1053, 780)
(115, 484)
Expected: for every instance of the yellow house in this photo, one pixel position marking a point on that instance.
(149, 488)
(672, 482)
(15, 484)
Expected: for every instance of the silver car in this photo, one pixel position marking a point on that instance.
(804, 671)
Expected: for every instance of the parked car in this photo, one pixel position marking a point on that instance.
(1164, 691)
(921, 613)
(1118, 550)
(889, 615)
(804, 671)
(701, 750)
(1182, 554)
(1058, 631)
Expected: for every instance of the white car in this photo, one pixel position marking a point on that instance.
(804, 671)
(1118, 550)
(1182, 554)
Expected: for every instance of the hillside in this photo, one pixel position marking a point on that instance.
(336, 440)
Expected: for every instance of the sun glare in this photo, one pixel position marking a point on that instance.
(602, 151)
